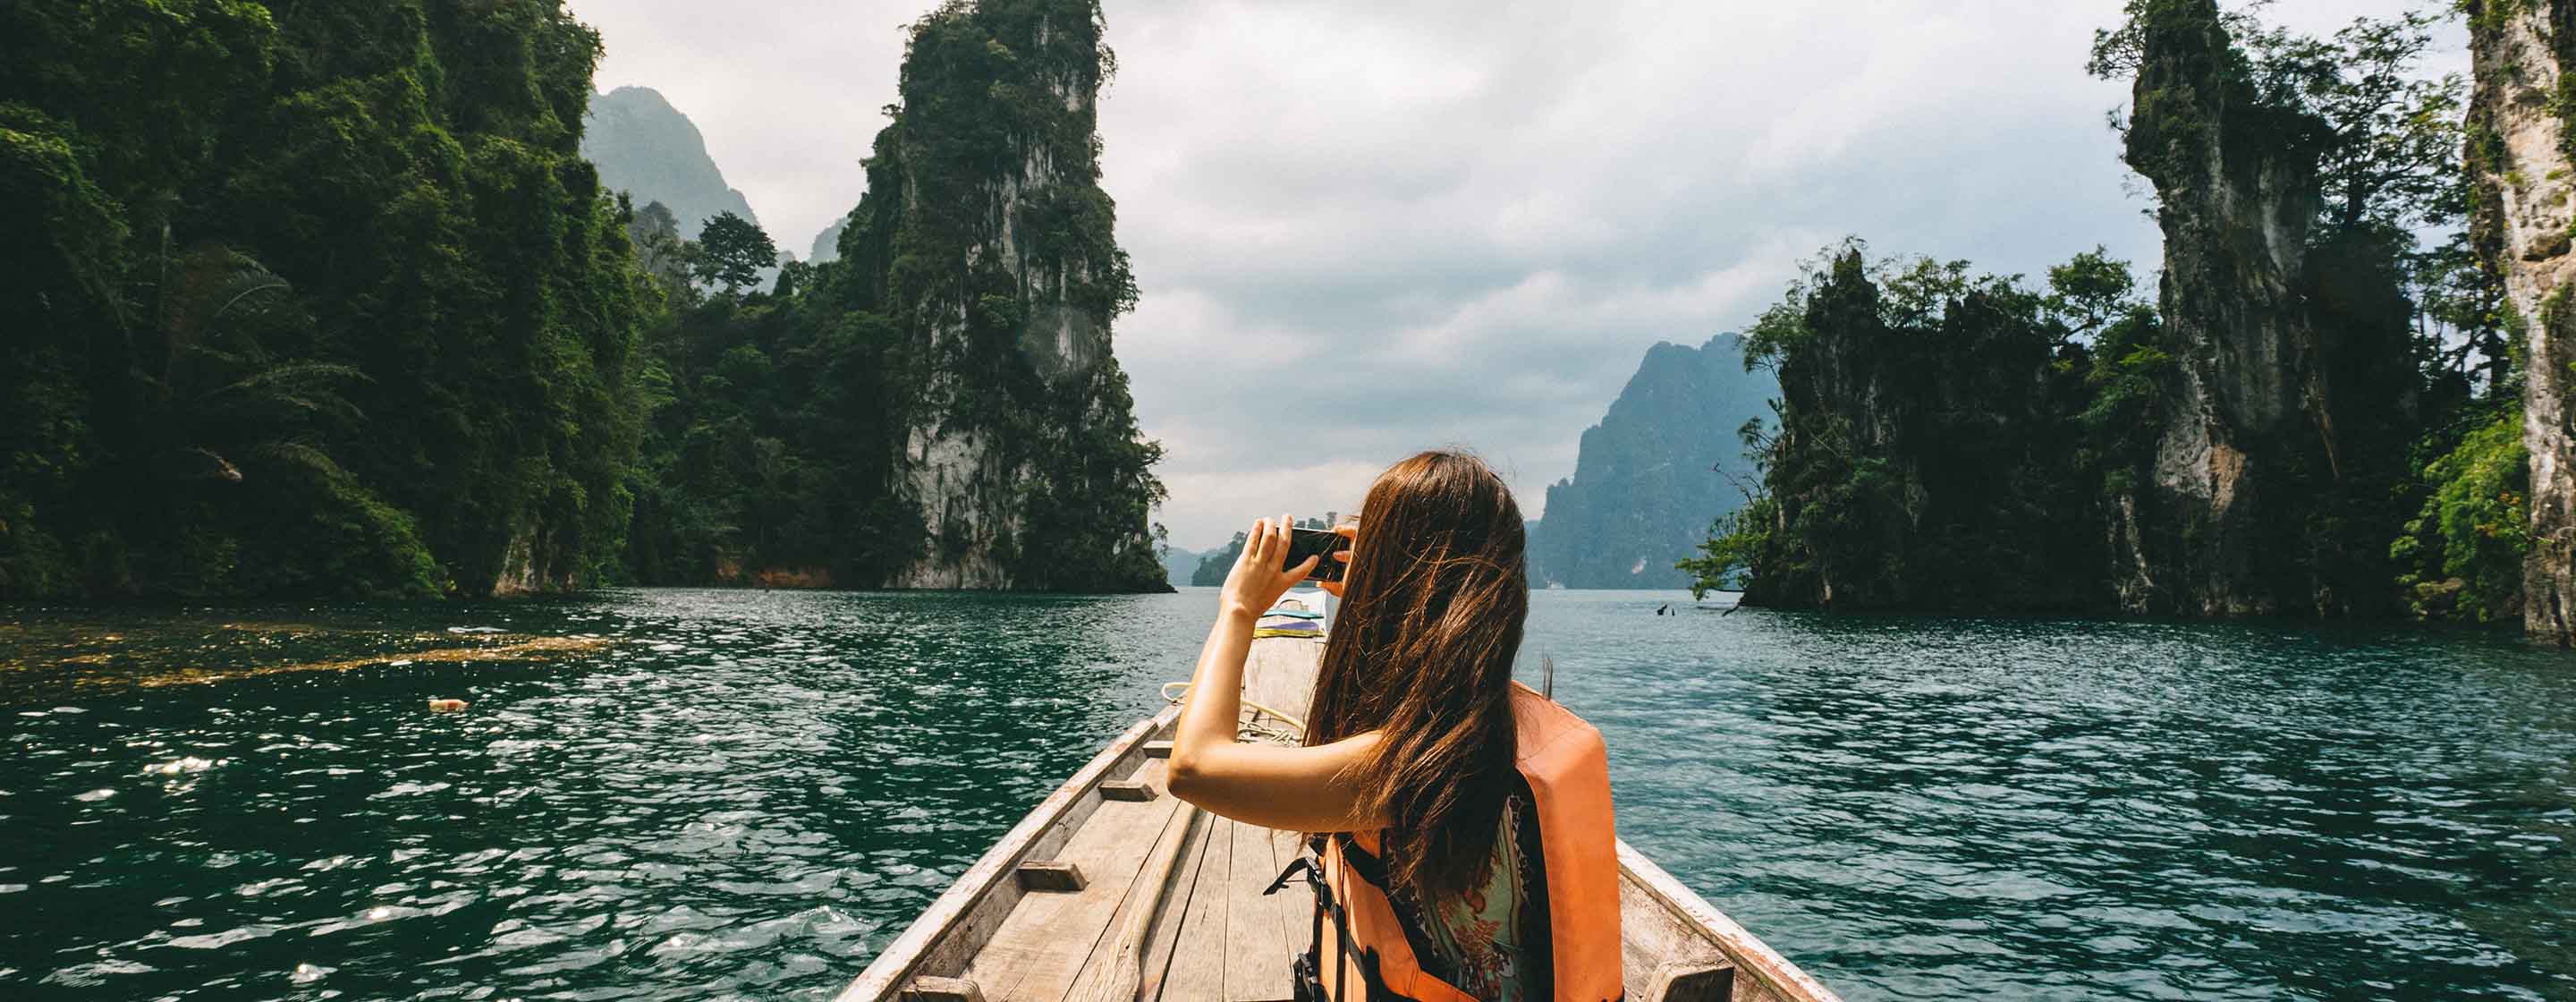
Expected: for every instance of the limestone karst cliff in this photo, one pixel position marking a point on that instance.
(986, 241)
(1919, 460)
(2519, 151)
(1662, 464)
(2287, 405)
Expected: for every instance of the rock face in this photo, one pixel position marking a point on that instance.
(2519, 150)
(1662, 464)
(645, 147)
(986, 241)
(2278, 331)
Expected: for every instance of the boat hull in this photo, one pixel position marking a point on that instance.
(1111, 889)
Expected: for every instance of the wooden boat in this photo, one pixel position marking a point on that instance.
(1112, 890)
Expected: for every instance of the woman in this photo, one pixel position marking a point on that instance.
(1467, 849)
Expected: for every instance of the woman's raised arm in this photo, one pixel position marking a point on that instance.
(1295, 789)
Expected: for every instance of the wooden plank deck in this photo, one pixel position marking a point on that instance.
(1169, 904)
(1229, 941)
(1221, 937)
(1213, 935)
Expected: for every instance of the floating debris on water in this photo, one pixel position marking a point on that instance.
(446, 705)
(529, 649)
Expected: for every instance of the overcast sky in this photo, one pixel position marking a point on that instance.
(1367, 228)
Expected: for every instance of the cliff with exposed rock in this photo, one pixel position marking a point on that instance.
(985, 241)
(2287, 401)
(2519, 152)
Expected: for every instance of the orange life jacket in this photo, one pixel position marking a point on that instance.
(1364, 954)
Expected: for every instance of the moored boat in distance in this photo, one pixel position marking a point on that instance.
(1112, 890)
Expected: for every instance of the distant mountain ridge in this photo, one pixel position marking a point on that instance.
(1179, 564)
(1662, 464)
(647, 148)
(827, 244)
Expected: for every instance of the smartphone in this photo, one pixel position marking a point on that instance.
(1303, 543)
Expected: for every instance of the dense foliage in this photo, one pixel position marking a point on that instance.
(791, 426)
(986, 240)
(1214, 565)
(322, 298)
(766, 451)
(1926, 453)
(311, 297)
(1949, 442)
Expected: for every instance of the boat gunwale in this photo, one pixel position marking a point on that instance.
(959, 902)
(955, 910)
(1779, 975)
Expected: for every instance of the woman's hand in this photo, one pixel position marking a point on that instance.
(1352, 533)
(1256, 582)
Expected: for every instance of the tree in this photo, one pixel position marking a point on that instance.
(2391, 158)
(248, 214)
(660, 251)
(2394, 156)
(731, 251)
(2091, 292)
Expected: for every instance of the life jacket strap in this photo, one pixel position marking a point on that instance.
(1308, 968)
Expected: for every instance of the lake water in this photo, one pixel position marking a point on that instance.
(704, 794)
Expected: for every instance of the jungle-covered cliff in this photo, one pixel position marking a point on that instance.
(2305, 421)
(1926, 454)
(937, 405)
(986, 240)
(1663, 463)
(2520, 143)
(323, 299)
(306, 298)
(2292, 400)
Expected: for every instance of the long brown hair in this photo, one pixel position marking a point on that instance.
(1421, 651)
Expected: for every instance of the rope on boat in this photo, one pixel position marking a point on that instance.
(1284, 730)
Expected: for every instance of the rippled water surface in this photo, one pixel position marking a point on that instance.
(695, 794)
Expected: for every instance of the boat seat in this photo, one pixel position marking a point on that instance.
(930, 989)
(1693, 984)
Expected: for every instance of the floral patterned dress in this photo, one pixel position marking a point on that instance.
(1491, 942)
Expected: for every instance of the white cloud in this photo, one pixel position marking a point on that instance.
(1365, 228)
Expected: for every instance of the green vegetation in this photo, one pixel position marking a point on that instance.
(765, 452)
(1949, 442)
(322, 299)
(788, 426)
(314, 302)
(2461, 556)
(1928, 431)
(731, 252)
(986, 239)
